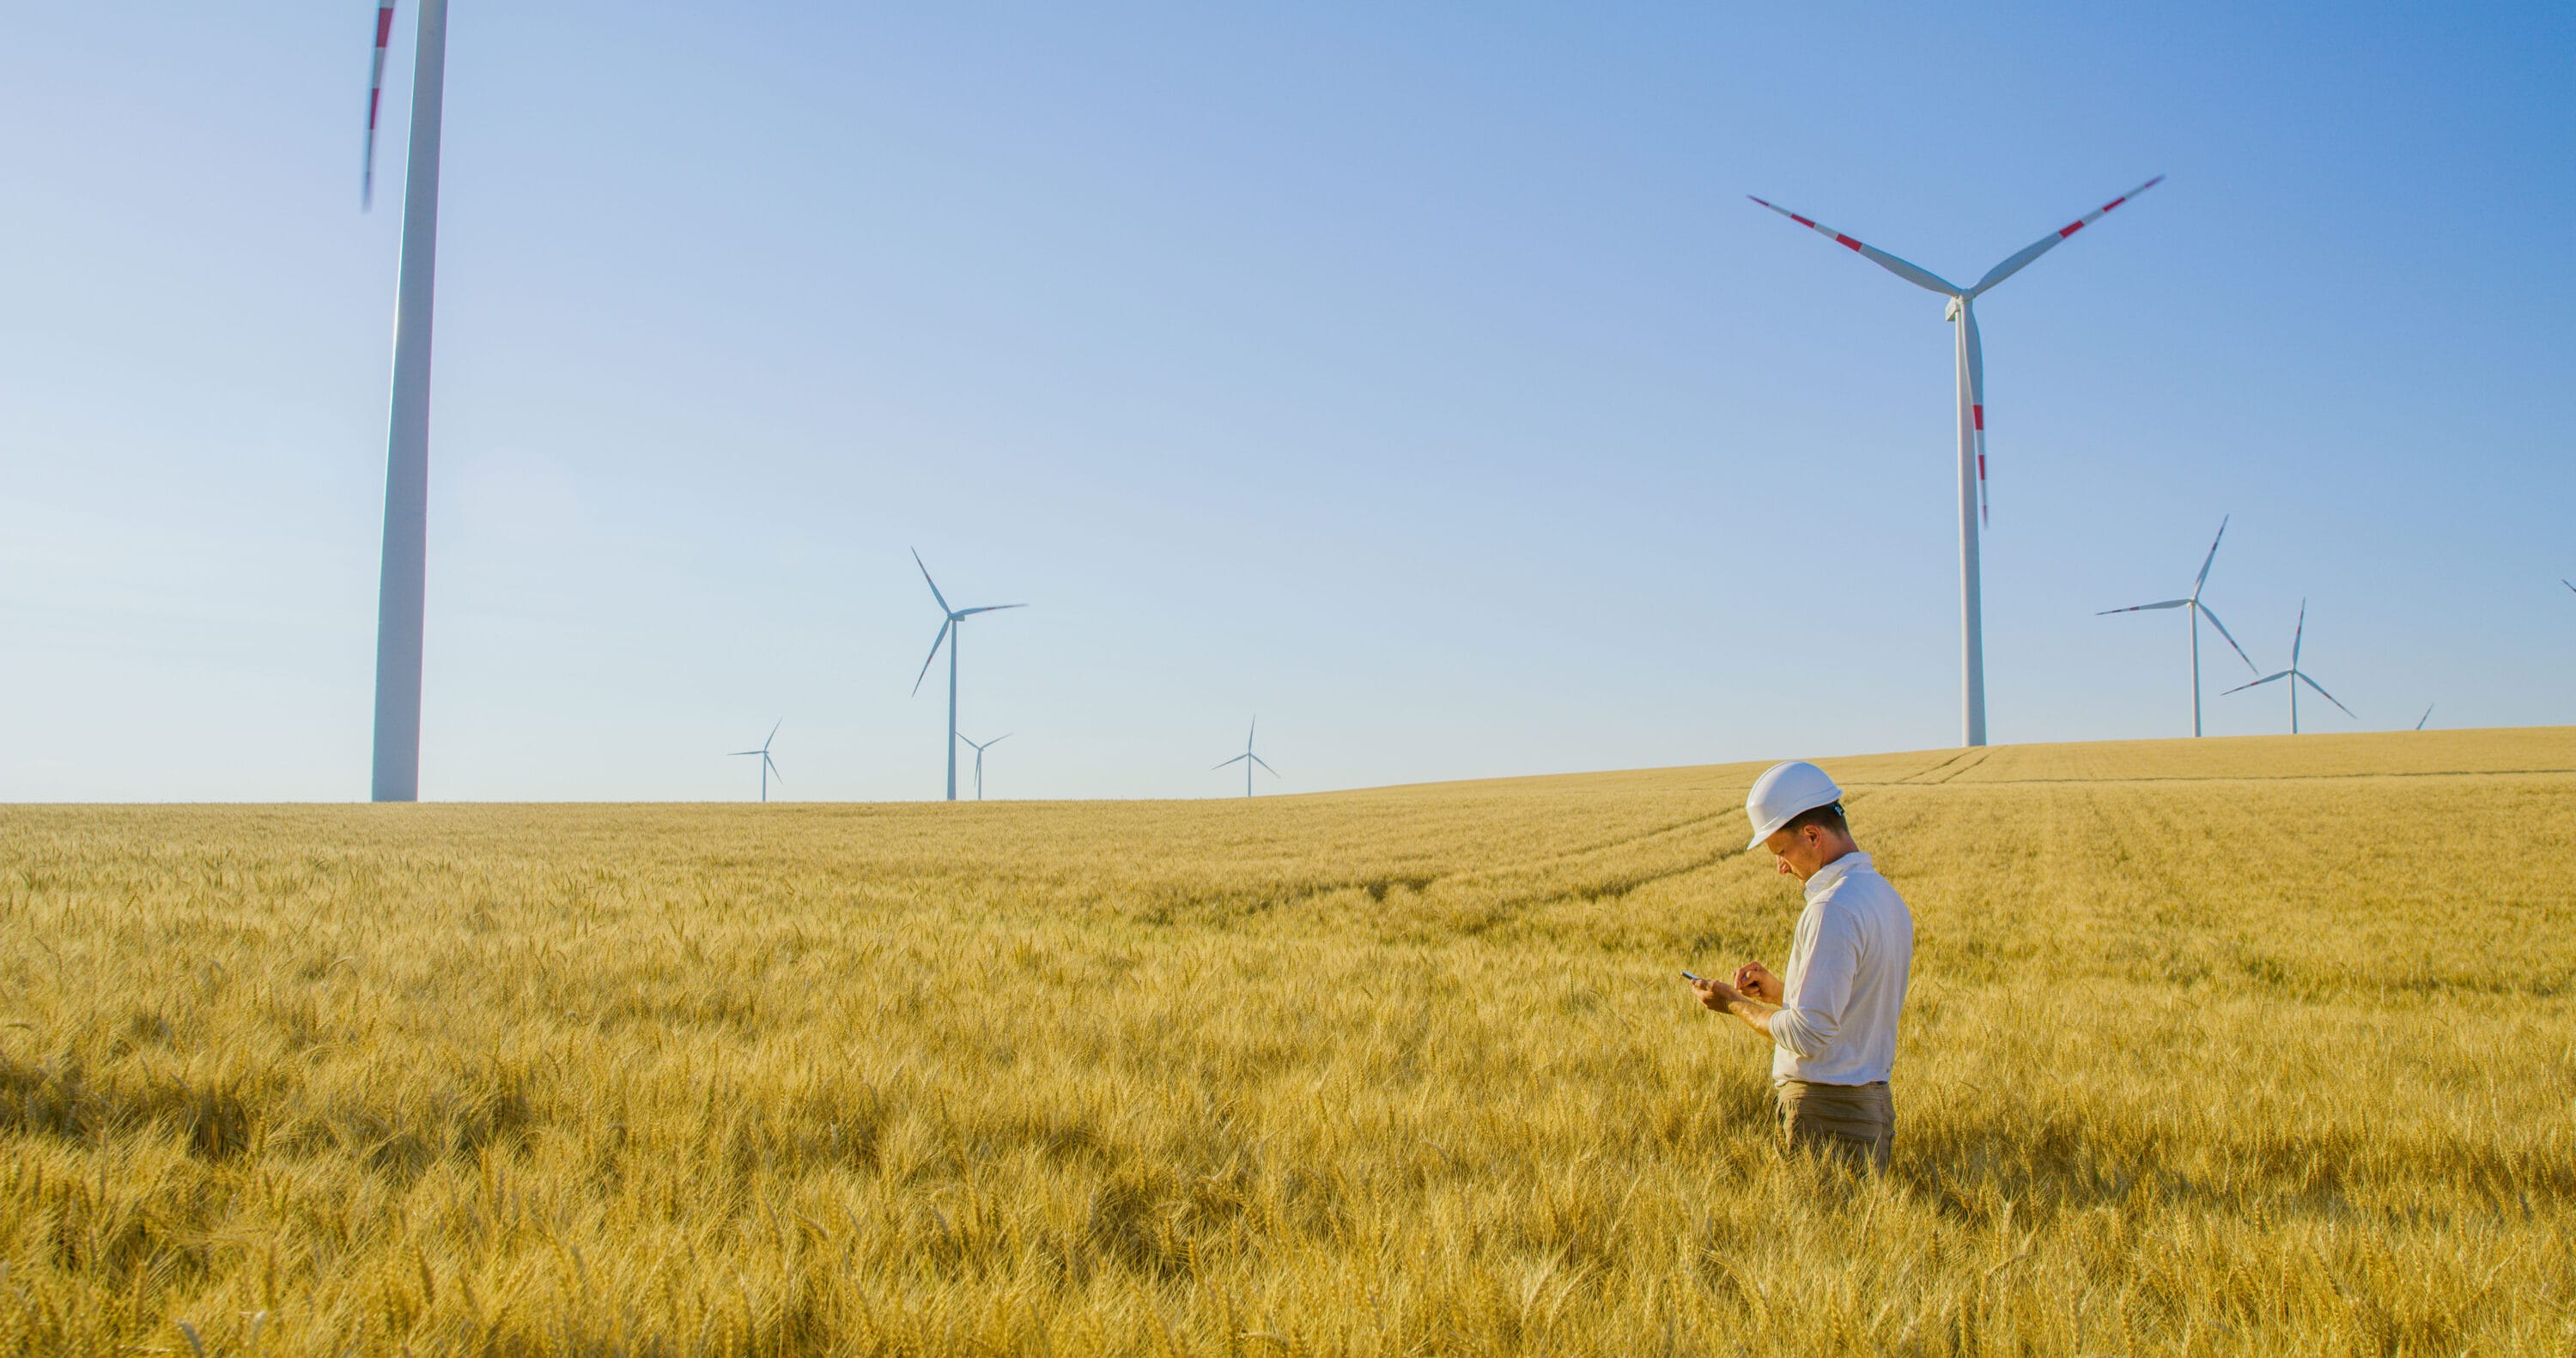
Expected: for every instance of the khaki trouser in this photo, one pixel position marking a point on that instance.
(1852, 1123)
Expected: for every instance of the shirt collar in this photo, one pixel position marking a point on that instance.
(1834, 872)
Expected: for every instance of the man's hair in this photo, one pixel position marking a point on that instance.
(1830, 816)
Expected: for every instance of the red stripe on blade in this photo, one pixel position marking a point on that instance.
(1840, 239)
(373, 96)
(2070, 230)
(1981, 427)
(384, 24)
(2115, 202)
(1800, 220)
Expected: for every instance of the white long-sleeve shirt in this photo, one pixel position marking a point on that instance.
(1846, 979)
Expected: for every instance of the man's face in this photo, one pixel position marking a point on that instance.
(1799, 852)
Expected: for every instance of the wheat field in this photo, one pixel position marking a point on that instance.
(2260, 1046)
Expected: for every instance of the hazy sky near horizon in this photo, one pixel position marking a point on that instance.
(1416, 377)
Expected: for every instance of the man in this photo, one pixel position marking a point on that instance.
(1832, 1020)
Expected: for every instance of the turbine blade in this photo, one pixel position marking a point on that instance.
(729, 754)
(2203, 578)
(999, 739)
(2203, 610)
(2428, 716)
(1976, 399)
(375, 100)
(2143, 608)
(1919, 277)
(773, 732)
(1236, 760)
(2299, 635)
(773, 768)
(2240, 688)
(1265, 764)
(2049, 242)
(934, 585)
(2321, 692)
(944, 625)
(1249, 732)
(988, 608)
(2570, 584)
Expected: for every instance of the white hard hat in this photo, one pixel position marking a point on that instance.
(1782, 792)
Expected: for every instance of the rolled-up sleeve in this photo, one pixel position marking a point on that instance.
(1805, 1027)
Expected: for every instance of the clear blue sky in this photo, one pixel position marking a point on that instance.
(1417, 377)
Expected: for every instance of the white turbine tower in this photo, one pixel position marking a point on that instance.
(949, 632)
(1972, 425)
(768, 765)
(2298, 676)
(401, 586)
(1248, 758)
(2199, 610)
(980, 747)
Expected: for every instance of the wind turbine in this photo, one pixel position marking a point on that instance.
(401, 586)
(1972, 424)
(2298, 676)
(948, 632)
(1248, 758)
(2199, 610)
(979, 759)
(768, 765)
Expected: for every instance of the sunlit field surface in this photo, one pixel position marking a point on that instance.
(2238, 1046)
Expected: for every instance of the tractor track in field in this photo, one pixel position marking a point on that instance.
(1946, 770)
(1616, 885)
(2270, 777)
(1941, 773)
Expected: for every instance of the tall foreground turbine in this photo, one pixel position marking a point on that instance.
(949, 632)
(2199, 610)
(2298, 676)
(401, 588)
(1972, 424)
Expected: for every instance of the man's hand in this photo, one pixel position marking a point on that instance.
(1721, 998)
(1716, 995)
(1756, 980)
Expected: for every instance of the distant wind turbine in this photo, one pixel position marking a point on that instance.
(402, 581)
(2298, 676)
(768, 765)
(2198, 611)
(1972, 424)
(979, 758)
(949, 631)
(2428, 716)
(1248, 758)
